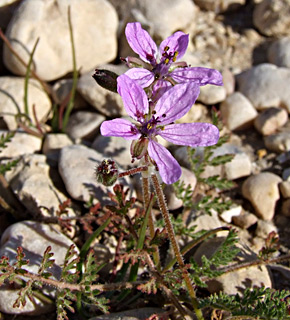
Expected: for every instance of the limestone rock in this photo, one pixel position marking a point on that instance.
(237, 111)
(272, 17)
(12, 102)
(279, 52)
(94, 26)
(34, 238)
(270, 120)
(266, 85)
(211, 94)
(219, 5)
(84, 124)
(285, 189)
(278, 142)
(263, 192)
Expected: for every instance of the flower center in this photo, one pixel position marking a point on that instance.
(149, 128)
(161, 69)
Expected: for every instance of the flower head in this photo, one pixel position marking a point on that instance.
(149, 122)
(161, 64)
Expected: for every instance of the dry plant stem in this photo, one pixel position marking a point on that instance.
(167, 291)
(8, 44)
(132, 171)
(173, 241)
(146, 200)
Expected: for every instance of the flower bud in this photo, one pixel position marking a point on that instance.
(139, 148)
(107, 172)
(106, 79)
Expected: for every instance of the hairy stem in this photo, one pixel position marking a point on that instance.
(173, 241)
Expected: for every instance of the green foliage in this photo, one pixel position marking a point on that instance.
(258, 303)
(221, 257)
(207, 204)
(4, 139)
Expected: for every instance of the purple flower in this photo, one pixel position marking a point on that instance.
(149, 123)
(161, 65)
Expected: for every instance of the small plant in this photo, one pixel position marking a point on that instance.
(156, 91)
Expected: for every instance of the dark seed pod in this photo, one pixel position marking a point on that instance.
(106, 79)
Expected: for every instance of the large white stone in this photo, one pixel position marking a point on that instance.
(237, 111)
(94, 22)
(262, 190)
(12, 100)
(266, 85)
(279, 52)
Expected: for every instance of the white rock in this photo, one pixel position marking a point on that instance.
(265, 85)
(188, 177)
(20, 144)
(115, 148)
(84, 124)
(229, 214)
(219, 5)
(176, 15)
(264, 228)
(205, 222)
(285, 189)
(272, 17)
(234, 282)
(34, 238)
(237, 112)
(77, 165)
(7, 8)
(263, 192)
(279, 52)
(12, 102)
(106, 102)
(240, 166)
(36, 185)
(53, 143)
(245, 220)
(211, 94)
(60, 93)
(279, 142)
(270, 120)
(94, 23)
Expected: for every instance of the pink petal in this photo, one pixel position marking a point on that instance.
(141, 42)
(119, 128)
(169, 169)
(134, 97)
(199, 75)
(191, 134)
(176, 42)
(142, 76)
(176, 102)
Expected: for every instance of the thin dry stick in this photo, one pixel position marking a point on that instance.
(173, 241)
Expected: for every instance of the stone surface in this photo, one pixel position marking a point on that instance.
(34, 238)
(7, 7)
(245, 220)
(231, 213)
(237, 281)
(279, 52)
(263, 192)
(77, 165)
(270, 120)
(237, 112)
(219, 5)
(20, 144)
(53, 143)
(12, 102)
(37, 185)
(279, 142)
(264, 228)
(84, 124)
(188, 178)
(211, 94)
(114, 148)
(272, 17)
(94, 22)
(106, 102)
(284, 187)
(285, 210)
(265, 85)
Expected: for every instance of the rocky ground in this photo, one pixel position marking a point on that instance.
(248, 41)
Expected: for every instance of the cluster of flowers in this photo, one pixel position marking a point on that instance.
(156, 91)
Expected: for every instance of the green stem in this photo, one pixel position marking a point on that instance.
(75, 76)
(175, 246)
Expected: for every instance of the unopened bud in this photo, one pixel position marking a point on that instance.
(106, 79)
(139, 148)
(107, 172)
